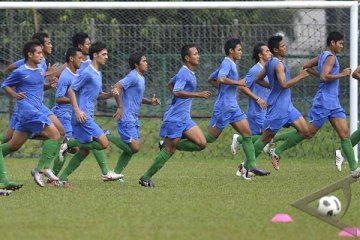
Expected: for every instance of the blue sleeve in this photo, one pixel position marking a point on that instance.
(80, 81)
(224, 69)
(43, 65)
(180, 84)
(173, 79)
(214, 75)
(62, 87)
(127, 81)
(250, 78)
(20, 62)
(12, 80)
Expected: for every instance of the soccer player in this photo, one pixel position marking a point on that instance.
(82, 41)
(131, 95)
(280, 111)
(83, 94)
(177, 121)
(326, 104)
(256, 108)
(31, 119)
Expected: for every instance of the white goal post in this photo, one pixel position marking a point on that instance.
(352, 5)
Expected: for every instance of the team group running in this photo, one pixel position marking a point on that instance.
(70, 126)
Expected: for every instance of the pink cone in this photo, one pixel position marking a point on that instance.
(350, 232)
(281, 217)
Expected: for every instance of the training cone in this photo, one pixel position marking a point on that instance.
(282, 217)
(350, 232)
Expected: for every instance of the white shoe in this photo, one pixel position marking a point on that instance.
(37, 178)
(268, 146)
(111, 176)
(242, 172)
(339, 159)
(234, 144)
(356, 173)
(4, 192)
(50, 175)
(274, 159)
(62, 151)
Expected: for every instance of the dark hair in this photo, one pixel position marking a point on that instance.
(231, 44)
(135, 58)
(256, 51)
(334, 36)
(71, 52)
(96, 48)
(40, 36)
(274, 42)
(79, 39)
(185, 51)
(29, 47)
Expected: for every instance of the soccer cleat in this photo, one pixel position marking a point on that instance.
(9, 185)
(111, 176)
(356, 173)
(50, 175)
(339, 159)
(146, 183)
(4, 192)
(268, 146)
(37, 178)
(241, 171)
(234, 144)
(62, 184)
(161, 144)
(260, 172)
(63, 148)
(274, 158)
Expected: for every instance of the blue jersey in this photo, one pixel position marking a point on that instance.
(254, 110)
(133, 91)
(88, 86)
(65, 80)
(279, 100)
(84, 64)
(227, 96)
(179, 110)
(31, 82)
(42, 64)
(327, 95)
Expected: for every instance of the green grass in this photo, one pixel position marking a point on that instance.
(197, 196)
(193, 199)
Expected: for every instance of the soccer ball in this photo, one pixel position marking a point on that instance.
(329, 206)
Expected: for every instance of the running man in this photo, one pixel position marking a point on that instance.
(177, 120)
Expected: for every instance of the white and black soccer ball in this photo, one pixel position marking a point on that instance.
(329, 206)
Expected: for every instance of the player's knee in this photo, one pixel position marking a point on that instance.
(62, 131)
(84, 152)
(170, 149)
(104, 144)
(202, 144)
(135, 149)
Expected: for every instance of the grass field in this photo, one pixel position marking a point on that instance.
(197, 196)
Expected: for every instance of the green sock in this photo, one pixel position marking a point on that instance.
(3, 176)
(283, 136)
(249, 151)
(348, 151)
(122, 162)
(58, 164)
(101, 160)
(258, 146)
(158, 163)
(119, 143)
(254, 138)
(293, 139)
(5, 149)
(355, 137)
(209, 138)
(49, 150)
(72, 166)
(89, 146)
(2, 138)
(188, 146)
